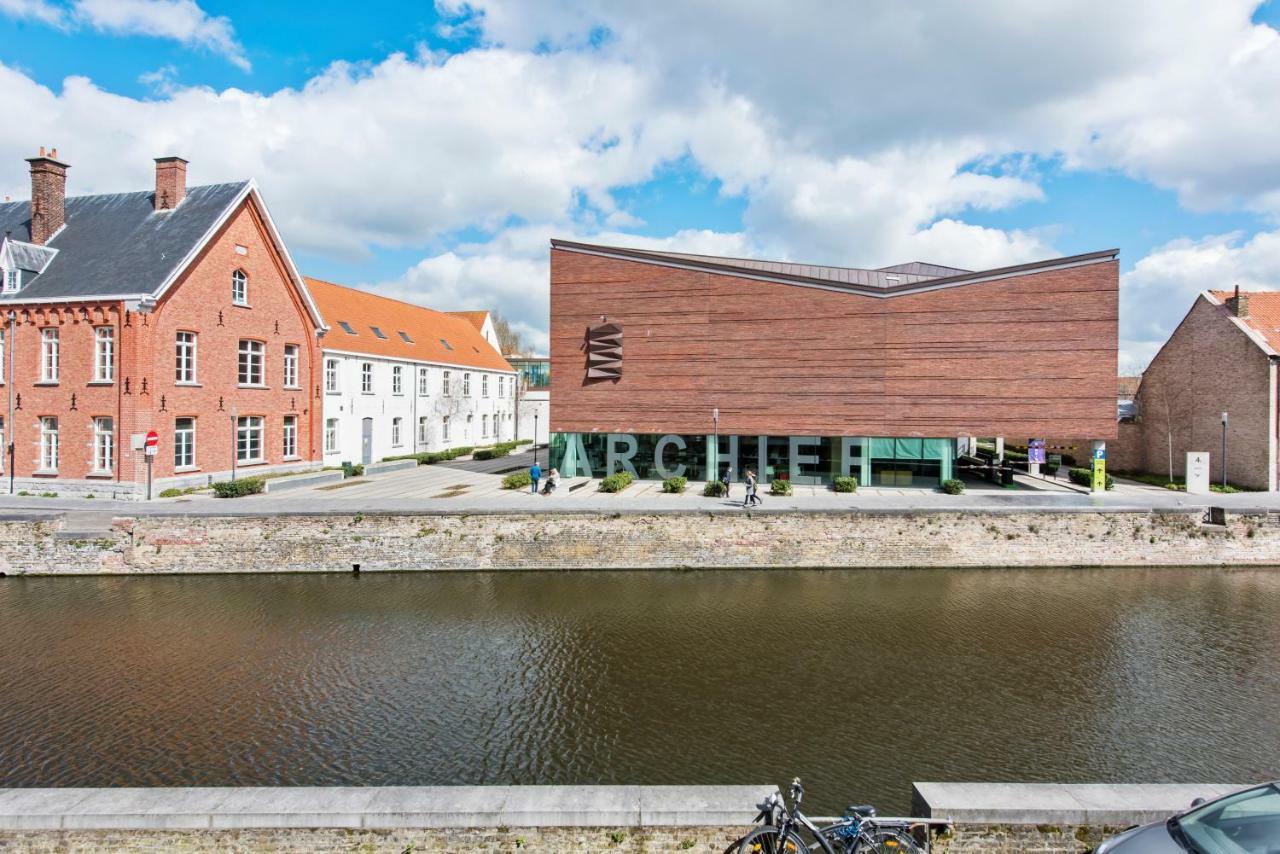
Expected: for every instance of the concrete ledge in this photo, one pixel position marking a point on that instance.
(311, 478)
(394, 465)
(378, 807)
(1117, 805)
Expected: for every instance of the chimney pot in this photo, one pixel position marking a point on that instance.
(48, 195)
(171, 182)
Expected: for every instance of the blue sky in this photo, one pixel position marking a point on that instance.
(1074, 128)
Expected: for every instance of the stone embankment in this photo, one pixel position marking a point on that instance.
(507, 541)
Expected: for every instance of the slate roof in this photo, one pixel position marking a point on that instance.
(884, 282)
(116, 245)
(425, 327)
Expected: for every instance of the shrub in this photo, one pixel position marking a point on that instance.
(399, 457)
(675, 484)
(953, 486)
(172, 492)
(616, 482)
(1049, 469)
(713, 489)
(519, 480)
(1084, 477)
(845, 484)
(524, 441)
(237, 488)
(780, 487)
(500, 450)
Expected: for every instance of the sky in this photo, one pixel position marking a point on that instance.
(429, 152)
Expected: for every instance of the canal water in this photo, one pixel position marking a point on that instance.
(858, 681)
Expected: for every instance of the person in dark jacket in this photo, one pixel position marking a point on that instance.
(727, 479)
(535, 475)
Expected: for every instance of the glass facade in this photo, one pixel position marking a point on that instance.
(803, 460)
(534, 373)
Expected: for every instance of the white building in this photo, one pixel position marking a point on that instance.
(397, 378)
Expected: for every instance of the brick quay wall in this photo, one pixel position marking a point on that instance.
(340, 543)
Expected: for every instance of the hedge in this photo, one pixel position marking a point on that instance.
(501, 449)
(780, 487)
(616, 482)
(713, 489)
(237, 488)
(953, 486)
(675, 484)
(845, 484)
(518, 480)
(1084, 477)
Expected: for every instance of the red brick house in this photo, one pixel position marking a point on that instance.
(1222, 357)
(174, 309)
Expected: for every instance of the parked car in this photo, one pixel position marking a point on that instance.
(1244, 822)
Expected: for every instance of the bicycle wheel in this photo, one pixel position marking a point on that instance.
(884, 841)
(767, 840)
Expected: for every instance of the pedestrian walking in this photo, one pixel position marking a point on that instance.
(535, 475)
(753, 490)
(727, 479)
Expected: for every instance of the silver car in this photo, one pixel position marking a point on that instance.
(1244, 822)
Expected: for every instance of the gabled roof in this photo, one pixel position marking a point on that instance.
(475, 318)
(426, 329)
(885, 282)
(1263, 318)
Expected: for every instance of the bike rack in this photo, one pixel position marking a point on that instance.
(932, 822)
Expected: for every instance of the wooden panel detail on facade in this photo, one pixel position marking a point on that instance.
(1023, 356)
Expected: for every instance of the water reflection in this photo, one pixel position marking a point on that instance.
(861, 681)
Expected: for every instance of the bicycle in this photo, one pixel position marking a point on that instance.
(858, 831)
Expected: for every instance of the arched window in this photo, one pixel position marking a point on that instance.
(239, 288)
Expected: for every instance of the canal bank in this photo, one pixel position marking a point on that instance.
(65, 544)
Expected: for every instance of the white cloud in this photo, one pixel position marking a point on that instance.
(34, 10)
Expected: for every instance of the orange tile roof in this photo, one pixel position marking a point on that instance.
(425, 327)
(475, 317)
(1264, 313)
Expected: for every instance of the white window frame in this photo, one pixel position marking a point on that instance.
(424, 430)
(366, 377)
(289, 437)
(397, 379)
(49, 346)
(331, 436)
(11, 283)
(184, 443)
(251, 353)
(424, 377)
(49, 443)
(250, 430)
(484, 385)
(3, 341)
(484, 426)
(444, 428)
(290, 365)
(397, 434)
(240, 288)
(104, 445)
(185, 354)
(444, 384)
(104, 354)
(4, 453)
(466, 384)
(331, 376)
(501, 386)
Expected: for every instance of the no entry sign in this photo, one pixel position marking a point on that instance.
(153, 441)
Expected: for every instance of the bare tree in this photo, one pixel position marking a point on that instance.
(510, 342)
(1166, 402)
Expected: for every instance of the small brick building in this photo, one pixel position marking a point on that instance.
(172, 309)
(1221, 358)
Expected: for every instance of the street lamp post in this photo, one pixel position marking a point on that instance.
(715, 431)
(535, 437)
(234, 450)
(13, 327)
(1224, 450)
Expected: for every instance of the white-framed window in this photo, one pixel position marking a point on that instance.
(104, 354)
(331, 375)
(249, 439)
(501, 384)
(466, 384)
(484, 385)
(290, 435)
(184, 443)
(395, 432)
(48, 443)
(424, 381)
(423, 423)
(184, 358)
(3, 447)
(397, 379)
(104, 446)
(444, 384)
(444, 427)
(331, 436)
(250, 364)
(291, 365)
(484, 426)
(239, 288)
(2, 343)
(48, 355)
(10, 281)
(366, 377)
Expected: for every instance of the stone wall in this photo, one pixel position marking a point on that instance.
(1022, 839)
(340, 543)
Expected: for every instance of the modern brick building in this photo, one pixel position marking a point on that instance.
(670, 363)
(399, 378)
(1221, 358)
(171, 309)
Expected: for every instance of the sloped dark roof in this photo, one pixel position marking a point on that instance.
(116, 245)
(27, 256)
(923, 268)
(880, 283)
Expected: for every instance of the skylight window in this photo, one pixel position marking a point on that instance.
(378, 332)
(446, 344)
(404, 336)
(346, 327)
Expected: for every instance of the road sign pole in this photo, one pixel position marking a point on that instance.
(149, 459)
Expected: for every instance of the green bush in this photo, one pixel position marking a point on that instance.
(399, 457)
(173, 492)
(497, 451)
(953, 486)
(237, 488)
(616, 482)
(1084, 477)
(780, 487)
(845, 484)
(519, 480)
(524, 441)
(675, 484)
(713, 489)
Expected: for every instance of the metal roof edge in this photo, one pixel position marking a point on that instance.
(657, 258)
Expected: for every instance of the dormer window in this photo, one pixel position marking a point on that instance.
(239, 288)
(10, 281)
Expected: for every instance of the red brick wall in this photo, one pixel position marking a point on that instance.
(1032, 355)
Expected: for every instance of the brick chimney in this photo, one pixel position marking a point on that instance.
(1238, 305)
(48, 195)
(171, 182)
